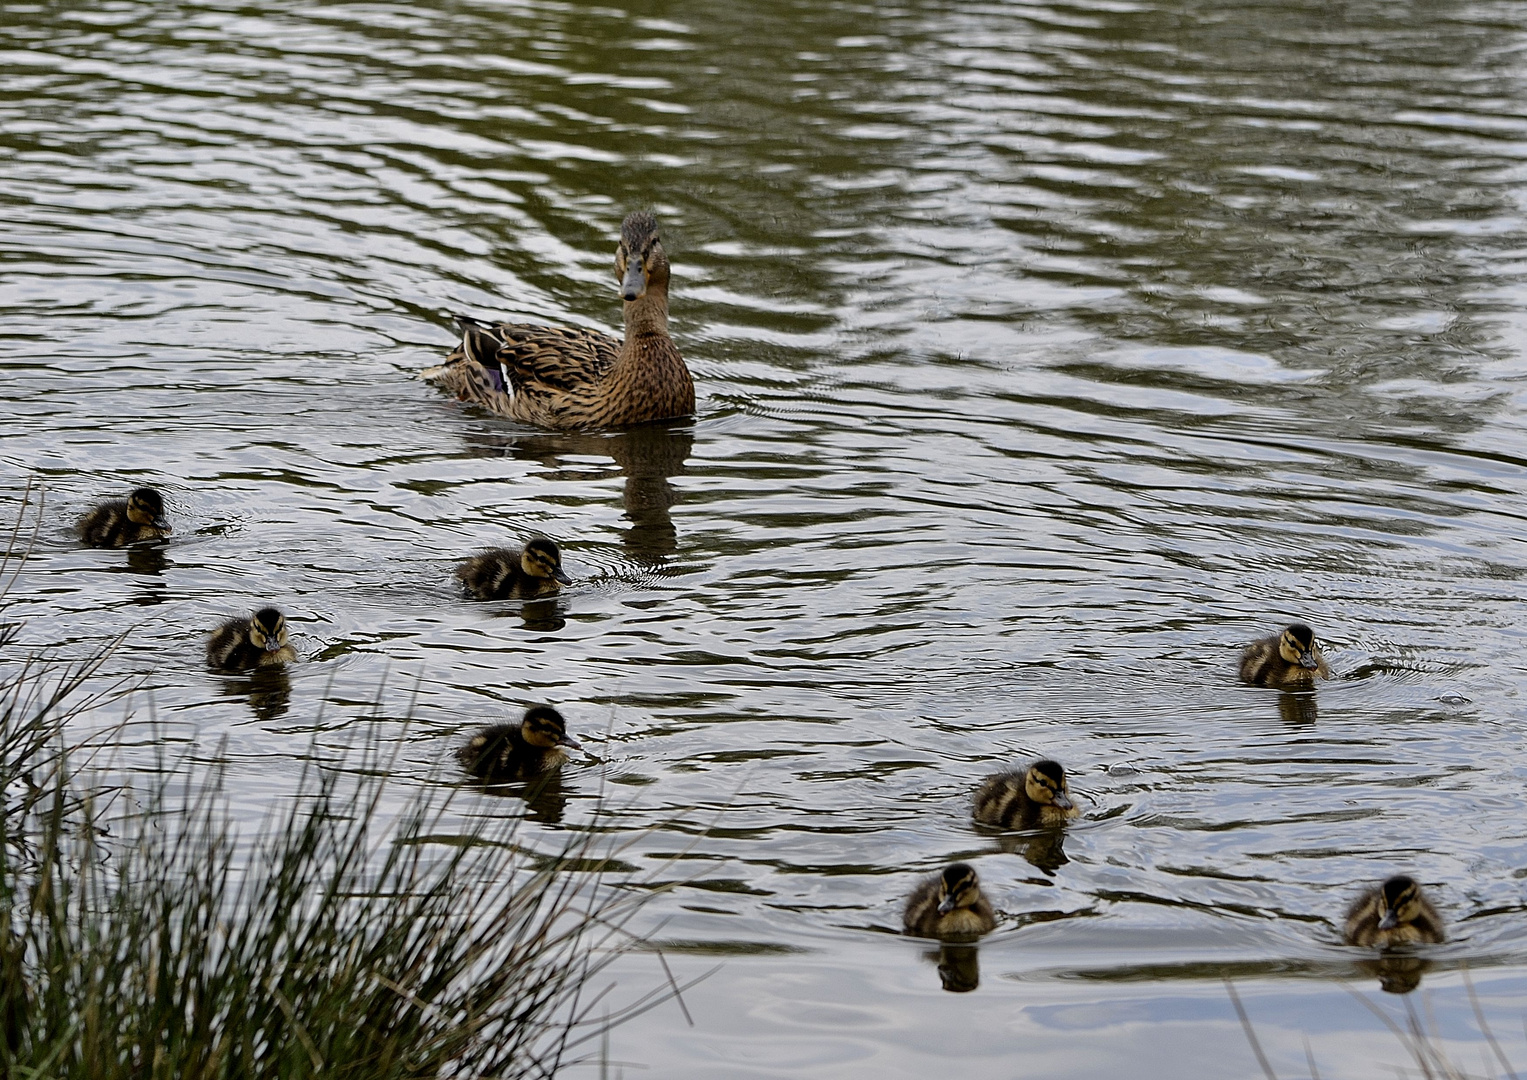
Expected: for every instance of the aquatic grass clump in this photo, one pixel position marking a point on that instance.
(147, 944)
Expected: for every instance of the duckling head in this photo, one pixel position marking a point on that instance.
(958, 888)
(544, 727)
(146, 507)
(1297, 646)
(1399, 901)
(1045, 783)
(267, 629)
(640, 261)
(542, 558)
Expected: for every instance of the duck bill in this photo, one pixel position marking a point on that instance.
(1307, 660)
(1062, 801)
(568, 740)
(272, 644)
(561, 575)
(162, 524)
(1389, 921)
(946, 905)
(634, 285)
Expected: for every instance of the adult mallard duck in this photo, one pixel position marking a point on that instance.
(1394, 913)
(244, 643)
(568, 379)
(1289, 660)
(518, 751)
(1035, 797)
(503, 574)
(949, 905)
(119, 522)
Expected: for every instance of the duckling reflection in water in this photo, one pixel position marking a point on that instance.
(504, 574)
(1033, 797)
(119, 522)
(1395, 913)
(959, 967)
(520, 751)
(258, 641)
(949, 905)
(1290, 660)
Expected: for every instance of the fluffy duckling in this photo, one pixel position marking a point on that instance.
(504, 574)
(519, 751)
(1394, 913)
(949, 905)
(119, 522)
(1031, 798)
(1289, 660)
(258, 641)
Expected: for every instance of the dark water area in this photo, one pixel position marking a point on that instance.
(1046, 355)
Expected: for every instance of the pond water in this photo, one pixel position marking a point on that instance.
(1047, 353)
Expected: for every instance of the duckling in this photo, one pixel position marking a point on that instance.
(1290, 660)
(519, 751)
(949, 905)
(571, 379)
(504, 574)
(1394, 913)
(119, 522)
(258, 641)
(1031, 798)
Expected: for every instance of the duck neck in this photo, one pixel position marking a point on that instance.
(647, 316)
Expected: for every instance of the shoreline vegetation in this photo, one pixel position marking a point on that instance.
(142, 936)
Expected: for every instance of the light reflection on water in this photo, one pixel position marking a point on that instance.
(1047, 353)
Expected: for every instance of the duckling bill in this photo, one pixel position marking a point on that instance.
(949, 905)
(505, 574)
(1034, 797)
(1290, 660)
(1394, 913)
(119, 522)
(243, 644)
(507, 752)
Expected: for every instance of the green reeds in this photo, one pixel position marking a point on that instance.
(147, 943)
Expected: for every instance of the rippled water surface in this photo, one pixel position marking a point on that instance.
(1047, 353)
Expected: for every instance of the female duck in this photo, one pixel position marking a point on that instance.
(119, 522)
(570, 379)
(1031, 798)
(1289, 660)
(256, 642)
(518, 751)
(504, 574)
(1394, 913)
(949, 905)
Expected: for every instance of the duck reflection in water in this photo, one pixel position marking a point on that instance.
(646, 455)
(1298, 709)
(268, 689)
(1044, 850)
(1396, 974)
(149, 562)
(545, 797)
(959, 967)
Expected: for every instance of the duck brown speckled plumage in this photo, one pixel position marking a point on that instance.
(1290, 660)
(949, 905)
(520, 751)
(1394, 913)
(1030, 798)
(504, 574)
(245, 643)
(119, 522)
(570, 379)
